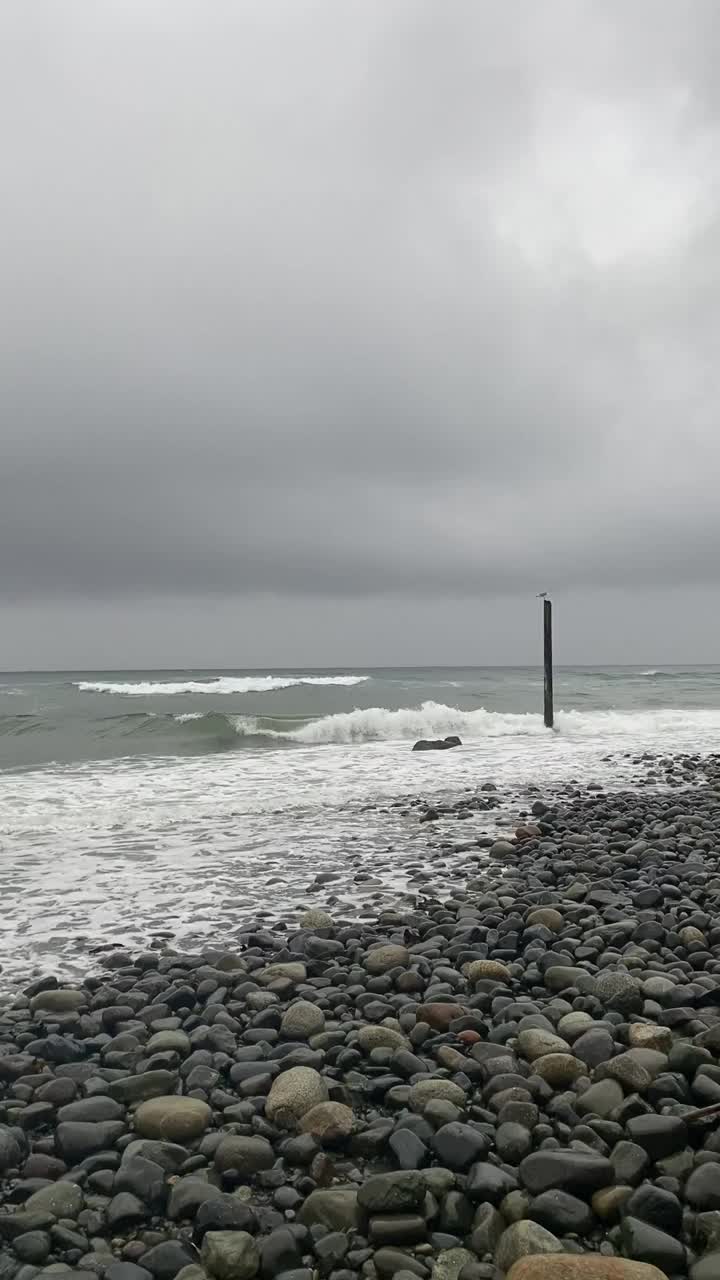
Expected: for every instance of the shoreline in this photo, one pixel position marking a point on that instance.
(438, 1091)
(186, 868)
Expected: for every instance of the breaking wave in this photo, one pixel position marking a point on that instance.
(435, 720)
(41, 738)
(222, 685)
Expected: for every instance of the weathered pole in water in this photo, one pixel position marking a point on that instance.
(548, 663)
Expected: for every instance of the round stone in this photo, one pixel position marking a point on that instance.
(535, 1043)
(246, 1155)
(382, 959)
(172, 1119)
(502, 850)
(328, 1122)
(290, 971)
(478, 970)
(558, 1069)
(169, 1042)
(379, 1037)
(316, 919)
(618, 990)
(689, 936)
(573, 1025)
(62, 1199)
(425, 1091)
(32, 1247)
(293, 1094)
(230, 1255)
(522, 1239)
(548, 917)
(335, 1208)
(302, 1020)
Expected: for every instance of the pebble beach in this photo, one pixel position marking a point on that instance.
(517, 1078)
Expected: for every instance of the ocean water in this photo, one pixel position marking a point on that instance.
(183, 803)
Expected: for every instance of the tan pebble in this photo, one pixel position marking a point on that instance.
(559, 1068)
(608, 1202)
(582, 1267)
(475, 970)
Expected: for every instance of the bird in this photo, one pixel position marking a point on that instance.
(541, 595)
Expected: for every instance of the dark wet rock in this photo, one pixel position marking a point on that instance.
(126, 1271)
(409, 1150)
(279, 1252)
(488, 1184)
(144, 1179)
(387, 1193)
(231, 1256)
(223, 1213)
(149, 1084)
(62, 1199)
(92, 1109)
(645, 1243)
(437, 744)
(397, 1228)
(335, 1208)
(457, 1145)
(658, 1207)
(166, 1259)
(16, 1224)
(187, 1194)
(332, 1248)
(75, 1140)
(32, 1247)
(10, 1149)
(562, 1213)
(578, 1172)
(125, 1211)
(245, 1155)
(702, 1189)
(629, 1161)
(391, 1262)
(488, 1226)
(659, 1135)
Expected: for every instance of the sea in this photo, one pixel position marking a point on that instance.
(151, 808)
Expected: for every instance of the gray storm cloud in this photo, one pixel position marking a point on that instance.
(357, 298)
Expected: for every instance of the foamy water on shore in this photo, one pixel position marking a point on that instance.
(121, 847)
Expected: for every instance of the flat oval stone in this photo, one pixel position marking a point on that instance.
(579, 1172)
(172, 1119)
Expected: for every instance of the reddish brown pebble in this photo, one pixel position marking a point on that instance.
(439, 1016)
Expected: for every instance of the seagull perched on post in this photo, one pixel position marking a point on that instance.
(541, 595)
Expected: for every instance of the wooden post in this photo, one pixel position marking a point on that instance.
(548, 663)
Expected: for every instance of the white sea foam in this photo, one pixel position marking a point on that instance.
(217, 685)
(435, 720)
(104, 850)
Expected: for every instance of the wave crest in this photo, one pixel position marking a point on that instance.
(435, 720)
(222, 685)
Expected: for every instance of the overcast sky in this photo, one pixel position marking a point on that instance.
(333, 330)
